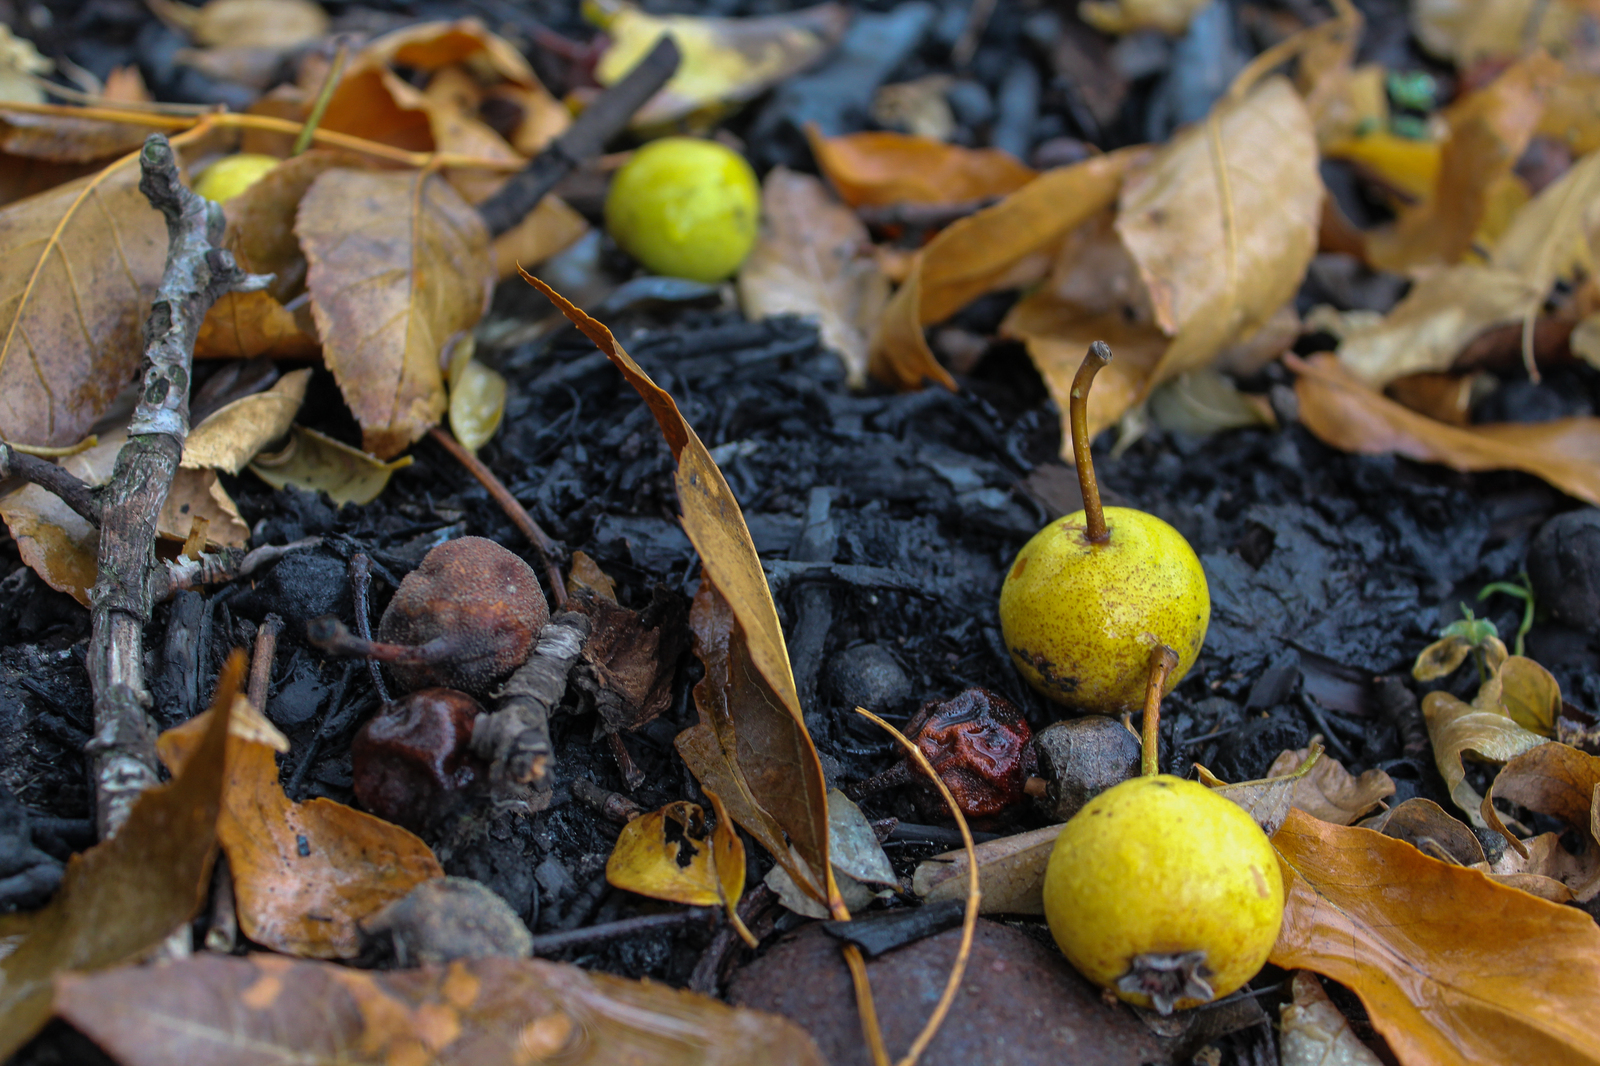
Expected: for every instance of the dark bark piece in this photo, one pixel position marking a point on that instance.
(198, 272)
(600, 121)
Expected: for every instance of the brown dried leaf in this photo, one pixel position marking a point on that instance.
(1267, 799)
(304, 874)
(1467, 31)
(1010, 873)
(245, 325)
(752, 738)
(1348, 415)
(813, 259)
(1329, 791)
(631, 658)
(1563, 782)
(985, 251)
(549, 228)
(66, 138)
(126, 895)
(879, 169)
(314, 462)
(212, 1010)
(260, 231)
(399, 264)
(1483, 728)
(1543, 867)
(72, 314)
(1430, 829)
(256, 23)
(1389, 923)
(233, 434)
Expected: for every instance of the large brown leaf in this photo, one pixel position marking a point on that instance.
(82, 262)
(399, 265)
(812, 260)
(1348, 415)
(770, 758)
(303, 873)
(1000, 245)
(214, 1010)
(1452, 967)
(126, 895)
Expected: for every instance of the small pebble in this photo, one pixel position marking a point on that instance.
(868, 676)
(1564, 566)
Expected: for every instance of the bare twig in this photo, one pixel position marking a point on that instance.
(600, 121)
(550, 943)
(74, 493)
(549, 553)
(515, 738)
(261, 662)
(197, 273)
(360, 589)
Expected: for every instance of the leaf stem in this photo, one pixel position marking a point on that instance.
(1078, 411)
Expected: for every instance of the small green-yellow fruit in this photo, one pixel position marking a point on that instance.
(232, 175)
(686, 208)
(1164, 892)
(1081, 618)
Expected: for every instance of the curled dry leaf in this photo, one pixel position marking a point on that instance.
(1314, 1033)
(814, 259)
(71, 315)
(303, 873)
(1443, 657)
(1346, 414)
(214, 1010)
(1007, 244)
(20, 61)
(1430, 829)
(725, 60)
(1483, 728)
(477, 398)
(247, 23)
(1329, 791)
(878, 169)
(398, 265)
(1010, 873)
(235, 434)
(126, 895)
(1563, 782)
(1131, 16)
(315, 462)
(62, 547)
(861, 869)
(246, 325)
(1386, 921)
(751, 746)
(692, 866)
(66, 138)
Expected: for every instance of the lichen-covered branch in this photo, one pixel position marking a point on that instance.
(515, 738)
(198, 272)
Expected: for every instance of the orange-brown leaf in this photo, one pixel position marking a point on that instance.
(877, 169)
(1348, 415)
(399, 265)
(213, 1010)
(303, 873)
(126, 895)
(1452, 967)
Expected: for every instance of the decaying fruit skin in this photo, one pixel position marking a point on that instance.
(1080, 618)
(412, 764)
(1164, 892)
(977, 743)
(478, 608)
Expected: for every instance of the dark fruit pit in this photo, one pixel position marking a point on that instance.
(464, 619)
(977, 743)
(413, 763)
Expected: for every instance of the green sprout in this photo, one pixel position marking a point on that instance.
(1475, 632)
(1522, 590)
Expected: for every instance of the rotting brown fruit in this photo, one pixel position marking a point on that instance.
(412, 764)
(464, 619)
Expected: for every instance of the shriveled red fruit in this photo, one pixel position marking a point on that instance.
(475, 606)
(413, 763)
(977, 743)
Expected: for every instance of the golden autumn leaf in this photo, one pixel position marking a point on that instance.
(1483, 728)
(315, 462)
(71, 315)
(1467, 31)
(878, 169)
(1346, 414)
(549, 228)
(399, 265)
(260, 231)
(303, 873)
(752, 736)
(1563, 782)
(1328, 791)
(125, 895)
(691, 866)
(1010, 873)
(812, 259)
(234, 434)
(213, 1010)
(1388, 922)
(246, 325)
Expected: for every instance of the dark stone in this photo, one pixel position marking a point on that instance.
(304, 585)
(1080, 759)
(445, 919)
(867, 675)
(1564, 566)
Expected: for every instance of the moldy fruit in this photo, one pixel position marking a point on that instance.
(1164, 892)
(684, 207)
(1092, 594)
(232, 175)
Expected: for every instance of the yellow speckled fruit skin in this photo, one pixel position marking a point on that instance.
(1160, 864)
(1080, 618)
(232, 175)
(685, 208)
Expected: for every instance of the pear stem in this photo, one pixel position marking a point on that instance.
(1078, 413)
(1163, 660)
